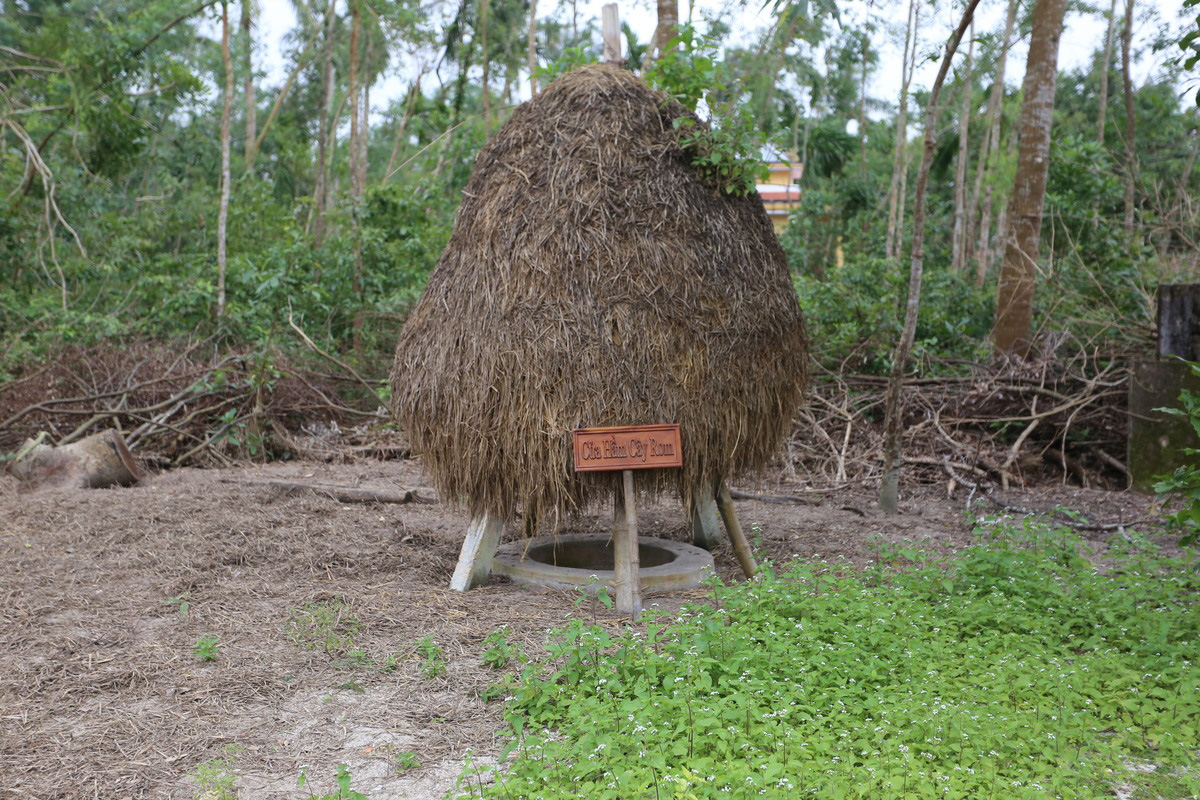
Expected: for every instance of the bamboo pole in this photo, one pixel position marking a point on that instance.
(625, 549)
(741, 547)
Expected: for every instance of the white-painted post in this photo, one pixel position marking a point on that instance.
(625, 549)
(705, 524)
(478, 551)
(610, 29)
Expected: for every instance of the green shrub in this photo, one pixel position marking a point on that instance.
(854, 313)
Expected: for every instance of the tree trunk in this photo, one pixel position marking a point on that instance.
(355, 90)
(1102, 112)
(983, 250)
(325, 126)
(226, 114)
(364, 123)
(959, 238)
(248, 84)
(1130, 122)
(356, 171)
(862, 111)
(899, 158)
(889, 487)
(664, 33)
(300, 65)
(460, 88)
(487, 62)
(410, 104)
(1014, 294)
(531, 48)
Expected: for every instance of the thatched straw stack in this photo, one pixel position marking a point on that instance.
(594, 279)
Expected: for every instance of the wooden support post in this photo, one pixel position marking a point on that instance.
(478, 551)
(610, 28)
(1179, 320)
(625, 549)
(706, 530)
(741, 548)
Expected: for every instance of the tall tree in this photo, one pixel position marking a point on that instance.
(248, 82)
(867, 59)
(666, 30)
(1013, 327)
(897, 189)
(355, 89)
(959, 238)
(890, 484)
(1130, 120)
(325, 126)
(226, 115)
(1104, 65)
(486, 56)
(531, 47)
(983, 200)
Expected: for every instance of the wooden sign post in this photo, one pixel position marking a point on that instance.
(626, 449)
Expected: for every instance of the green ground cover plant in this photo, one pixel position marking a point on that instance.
(206, 648)
(215, 779)
(344, 792)
(431, 656)
(1018, 668)
(327, 625)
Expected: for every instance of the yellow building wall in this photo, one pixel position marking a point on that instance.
(782, 174)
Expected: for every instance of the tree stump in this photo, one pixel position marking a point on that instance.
(94, 462)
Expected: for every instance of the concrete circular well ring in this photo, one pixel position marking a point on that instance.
(665, 564)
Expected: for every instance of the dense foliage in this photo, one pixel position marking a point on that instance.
(1016, 668)
(110, 169)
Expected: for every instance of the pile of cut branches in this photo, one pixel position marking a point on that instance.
(1003, 424)
(991, 425)
(190, 405)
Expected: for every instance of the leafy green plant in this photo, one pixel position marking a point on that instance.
(852, 310)
(181, 603)
(406, 762)
(498, 653)
(1012, 669)
(727, 149)
(206, 647)
(569, 59)
(215, 778)
(433, 658)
(344, 792)
(327, 626)
(1183, 485)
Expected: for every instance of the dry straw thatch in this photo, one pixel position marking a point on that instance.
(594, 279)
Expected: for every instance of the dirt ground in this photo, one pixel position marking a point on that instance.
(102, 695)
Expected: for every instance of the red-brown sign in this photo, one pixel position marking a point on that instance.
(628, 447)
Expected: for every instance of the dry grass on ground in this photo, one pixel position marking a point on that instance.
(101, 694)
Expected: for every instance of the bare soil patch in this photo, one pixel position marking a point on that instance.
(102, 696)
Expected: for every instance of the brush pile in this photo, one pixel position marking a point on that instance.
(188, 405)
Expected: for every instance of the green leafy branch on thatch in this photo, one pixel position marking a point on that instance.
(727, 149)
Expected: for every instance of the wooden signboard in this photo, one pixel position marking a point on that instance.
(627, 447)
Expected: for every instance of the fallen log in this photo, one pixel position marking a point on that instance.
(343, 494)
(771, 498)
(94, 462)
